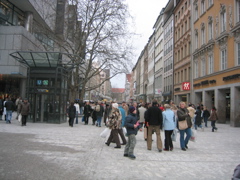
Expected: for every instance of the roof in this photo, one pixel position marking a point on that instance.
(118, 90)
(44, 59)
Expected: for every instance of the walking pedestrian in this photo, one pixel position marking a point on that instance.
(132, 125)
(99, 113)
(206, 115)
(18, 104)
(169, 126)
(198, 118)
(142, 109)
(183, 114)
(153, 117)
(71, 113)
(87, 112)
(24, 110)
(120, 130)
(77, 111)
(213, 118)
(114, 123)
(9, 109)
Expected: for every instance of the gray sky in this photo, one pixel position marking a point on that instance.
(145, 14)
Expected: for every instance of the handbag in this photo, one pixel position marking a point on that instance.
(182, 125)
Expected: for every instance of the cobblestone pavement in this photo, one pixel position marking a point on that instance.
(57, 151)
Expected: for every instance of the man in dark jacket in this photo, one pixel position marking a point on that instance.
(24, 111)
(154, 119)
(71, 113)
(9, 109)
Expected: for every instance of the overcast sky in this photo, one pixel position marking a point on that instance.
(145, 14)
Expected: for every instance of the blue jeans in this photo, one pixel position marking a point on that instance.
(184, 142)
(99, 119)
(9, 116)
(205, 120)
(76, 117)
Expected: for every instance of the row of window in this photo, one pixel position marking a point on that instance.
(181, 76)
(183, 9)
(168, 83)
(168, 64)
(183, 29)
(203, 7)
(183, 52)
(168, 47)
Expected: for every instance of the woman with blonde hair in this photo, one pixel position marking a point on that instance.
(183, 114)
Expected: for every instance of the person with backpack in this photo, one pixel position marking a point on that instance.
(99, 113)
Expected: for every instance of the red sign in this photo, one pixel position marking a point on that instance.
(186, 86)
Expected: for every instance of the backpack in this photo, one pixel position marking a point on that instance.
(98, 108)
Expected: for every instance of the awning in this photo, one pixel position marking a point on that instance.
(46, 59)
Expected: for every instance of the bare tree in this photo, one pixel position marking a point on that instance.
(102, 38)
(95, 32)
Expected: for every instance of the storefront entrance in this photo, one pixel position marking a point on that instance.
(46, 87)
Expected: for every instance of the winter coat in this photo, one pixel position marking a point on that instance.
(154, 116)
(191, 111)
(87, 110)
(72, 111)
(213, 116)
(100, 113)
(182, 114)
(206, 113)
(9, 106)
(198, 118)
(115, 119)
(168, 119)
(123, 115)
(25, 108)
(130, 121)
(77, 107)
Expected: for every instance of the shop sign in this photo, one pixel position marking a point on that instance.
(186, 86)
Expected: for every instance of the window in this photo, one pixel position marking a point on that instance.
(196, 69)
(203, 35)
(186, 27)
(223, 18)
(196, 12)
(210, 2)
(196, 39)
(203, 67)
(238, 10)
(223, 59)
(202, 6)
(210, 64)
(210, 28)
(238, 53)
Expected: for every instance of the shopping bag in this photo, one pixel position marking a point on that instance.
(194, 134)
(174, 135)
(20, 118)
(124, 130)
(105, 133)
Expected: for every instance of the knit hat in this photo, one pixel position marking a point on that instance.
(131, 109)
(115, 105)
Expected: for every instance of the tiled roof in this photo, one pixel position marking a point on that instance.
(118, 90)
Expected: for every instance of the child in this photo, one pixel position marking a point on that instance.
(132, 126)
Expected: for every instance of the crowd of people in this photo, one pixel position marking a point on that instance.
(8, 106)
(147, 117)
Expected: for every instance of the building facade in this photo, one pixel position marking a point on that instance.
(182, 51)
(168, 29)
(215, 58)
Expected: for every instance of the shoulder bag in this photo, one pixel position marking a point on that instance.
(182, 125)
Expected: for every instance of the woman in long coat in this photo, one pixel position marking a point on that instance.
(198, 118)
(71, 113)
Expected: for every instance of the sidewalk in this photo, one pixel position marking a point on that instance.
(58, 152)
